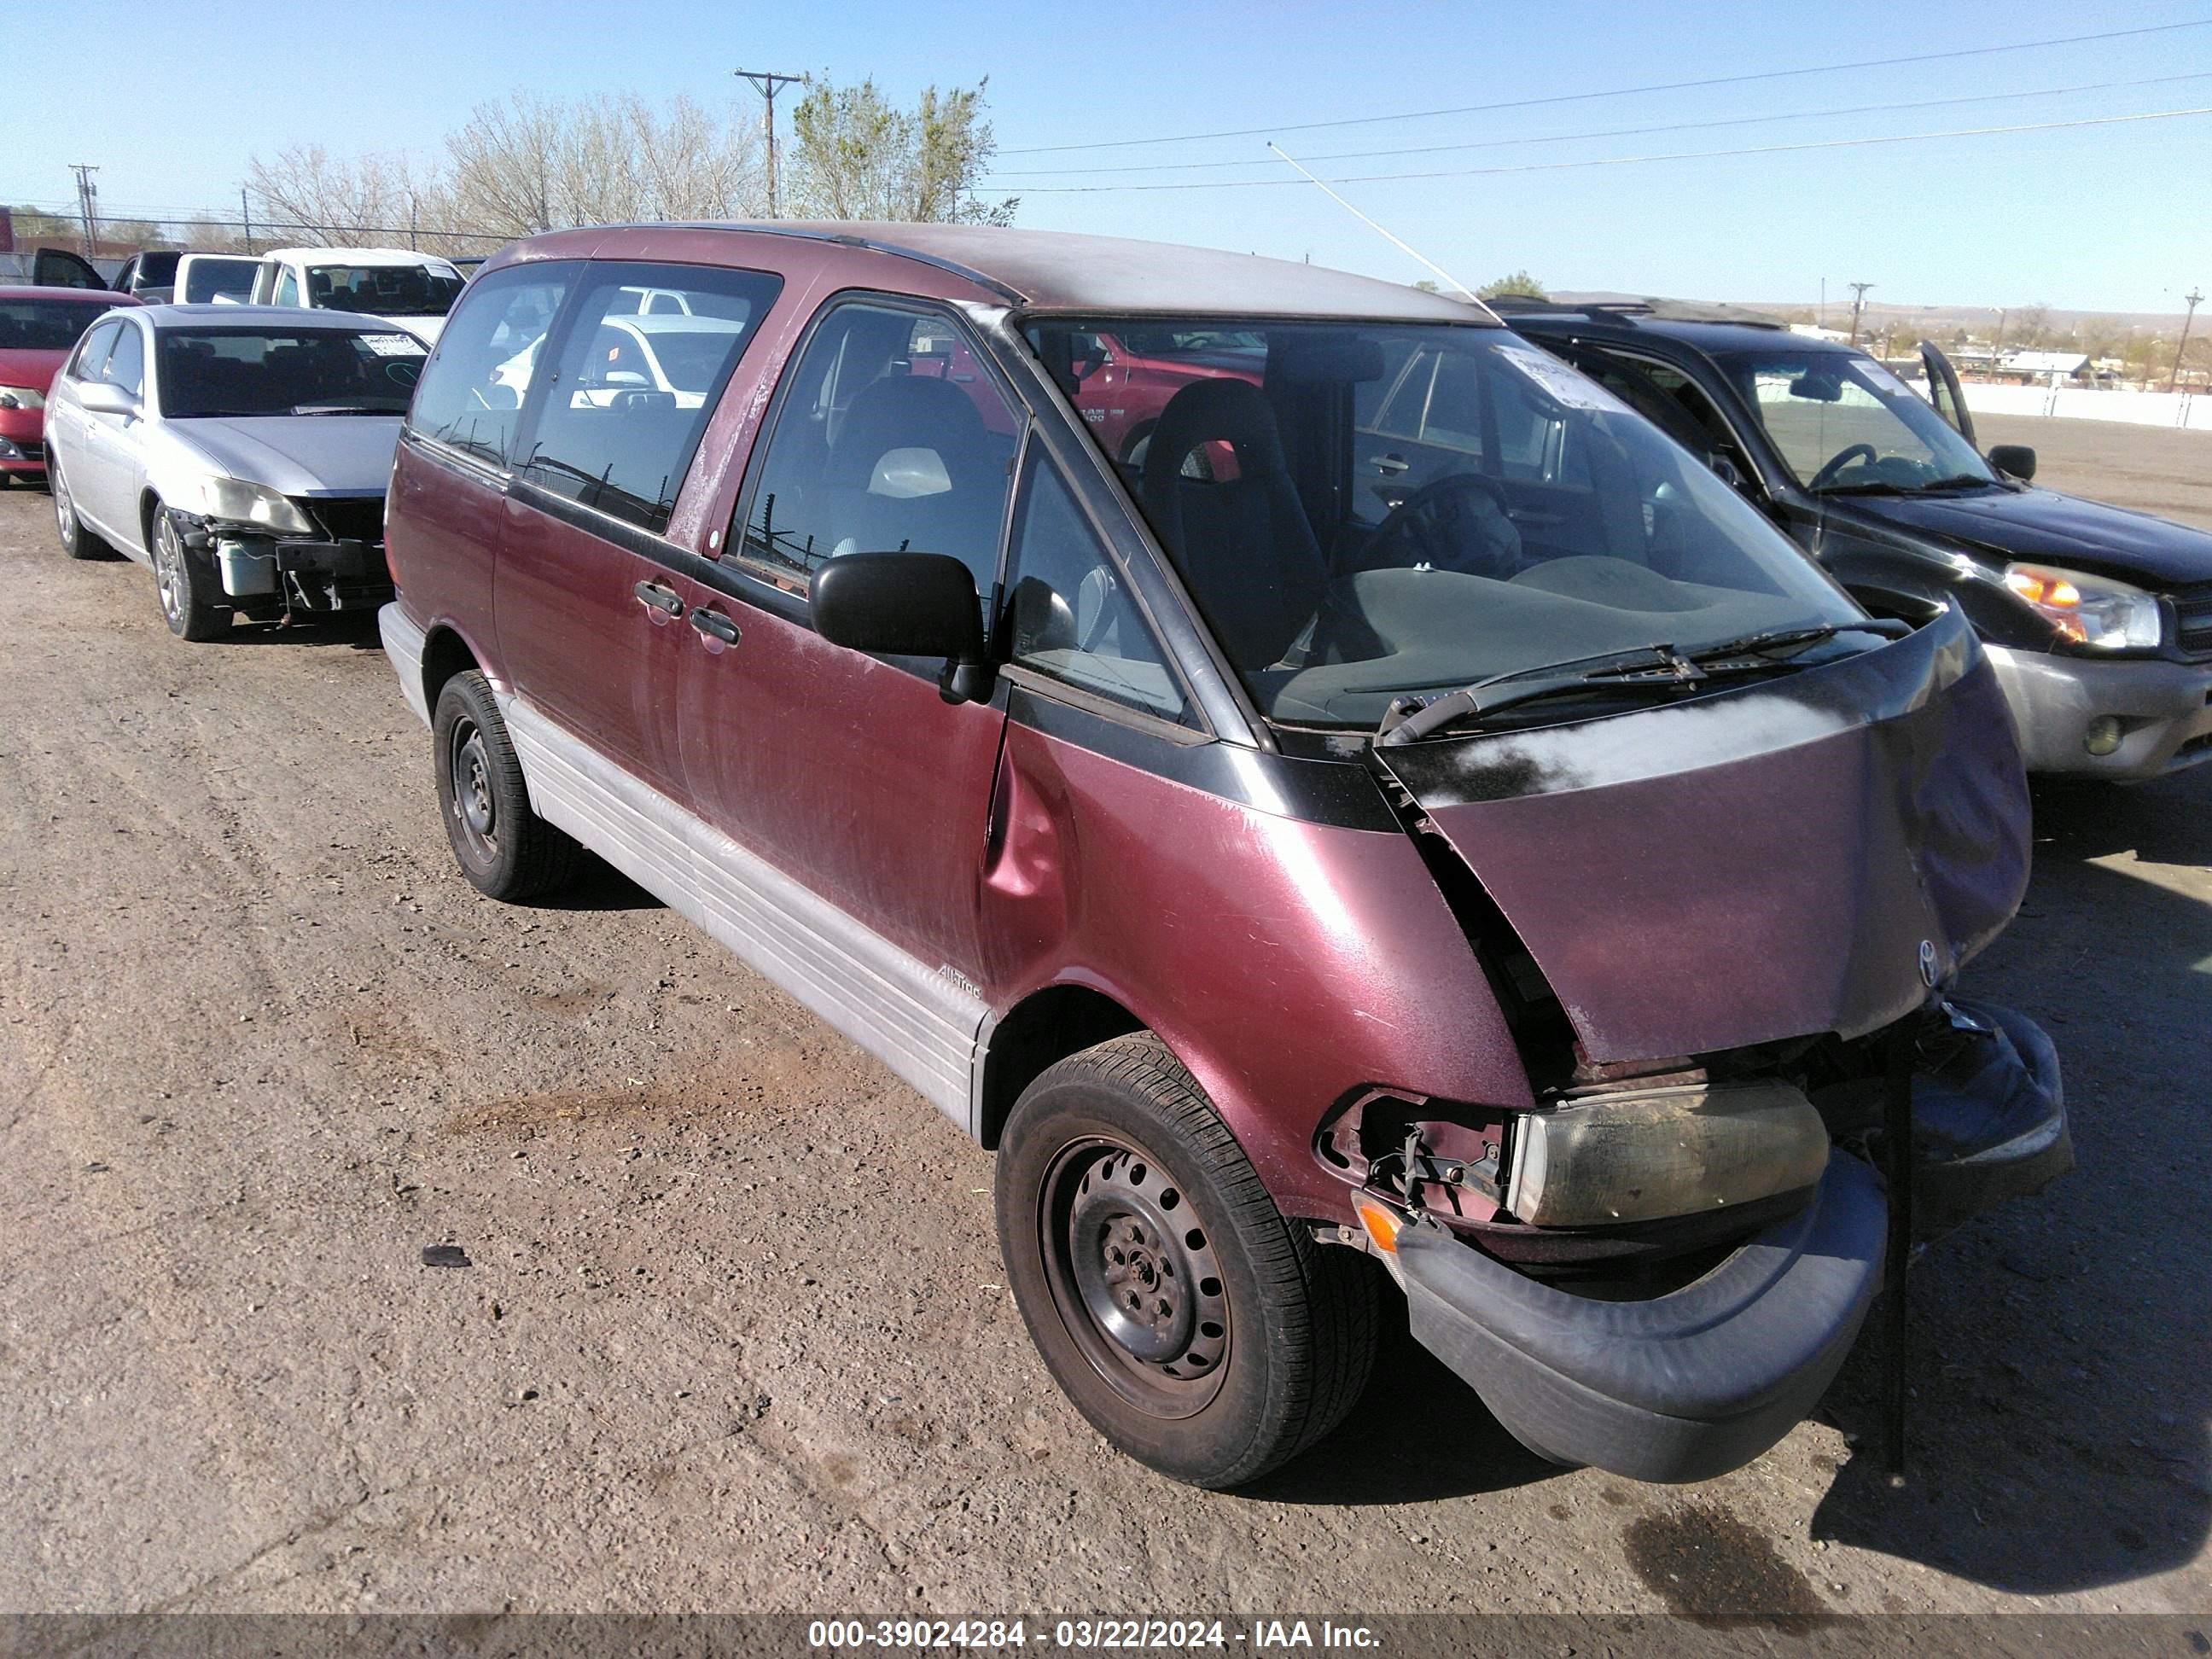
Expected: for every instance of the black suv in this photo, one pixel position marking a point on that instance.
(2099, 619)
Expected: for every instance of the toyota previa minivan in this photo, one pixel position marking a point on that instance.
(1544, 885)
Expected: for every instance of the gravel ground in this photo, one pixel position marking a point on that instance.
(731, 1334)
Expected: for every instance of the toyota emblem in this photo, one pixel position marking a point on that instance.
(1927, 963)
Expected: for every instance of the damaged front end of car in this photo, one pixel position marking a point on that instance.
(1724, 933)
(276, 555)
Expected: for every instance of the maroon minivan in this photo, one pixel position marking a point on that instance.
(1545, 882)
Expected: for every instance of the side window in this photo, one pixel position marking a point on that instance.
(92, 353)
(891, 438)
(631, 392)
(126, 367)
(1401, 417)
(1455, 417)
(1067, 613)
(1532, 436)
(471, 395)
(288, 287)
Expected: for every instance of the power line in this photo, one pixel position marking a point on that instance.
(1629, 160)
(266, 226)
(767, 84)
(1621, 132)
(1616, 92)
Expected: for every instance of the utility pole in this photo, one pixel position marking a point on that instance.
(2194, 299)
(88, 204)
(1858, 303)
(766, 84)
(245, 218)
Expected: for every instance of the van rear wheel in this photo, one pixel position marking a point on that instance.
(1198, 1330)
(505, 849)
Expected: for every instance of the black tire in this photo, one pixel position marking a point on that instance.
(77, 542)
(505, 849)
(185, 582)
(1248, 1341)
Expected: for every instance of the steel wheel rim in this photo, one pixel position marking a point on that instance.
(169, 569)
(1135, 1276)
(468, 772)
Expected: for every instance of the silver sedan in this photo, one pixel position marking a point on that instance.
(240, 452)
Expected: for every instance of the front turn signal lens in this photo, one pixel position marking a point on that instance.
(1383, 1224)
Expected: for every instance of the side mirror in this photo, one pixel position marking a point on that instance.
(105, 397)
(906, 604)
(2017, 460)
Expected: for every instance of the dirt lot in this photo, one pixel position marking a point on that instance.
(732, 1334)
(2152, 469)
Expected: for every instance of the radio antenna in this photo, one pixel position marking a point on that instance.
(1398, 242)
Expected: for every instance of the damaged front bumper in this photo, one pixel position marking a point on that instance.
(297, 573)
(1678, 1388)
(1691, 1384)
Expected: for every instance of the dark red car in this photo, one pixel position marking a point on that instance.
(38, 326)
(1545, 882)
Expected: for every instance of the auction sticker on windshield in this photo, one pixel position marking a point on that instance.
(395, 345)
(1561, 384)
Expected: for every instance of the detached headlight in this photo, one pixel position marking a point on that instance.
(22, 396)
(241, 502)
(2094, 611)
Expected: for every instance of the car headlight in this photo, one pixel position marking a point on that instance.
(2094, 611)
(241, 502)
(22, 396)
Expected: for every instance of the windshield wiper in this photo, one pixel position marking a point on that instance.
(1652, 667)
(1774, 639)
(1868, 487)
(343, 409)
(1958, 481)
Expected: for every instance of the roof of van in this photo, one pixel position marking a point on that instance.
(354, 256)
(1063, 271)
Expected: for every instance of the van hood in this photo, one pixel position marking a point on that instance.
(1803, 855)
(297, 454)
(2041, 524)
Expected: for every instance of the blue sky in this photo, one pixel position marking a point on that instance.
(172, 100)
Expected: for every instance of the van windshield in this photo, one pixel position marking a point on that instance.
(1367, 511)
(209, 280)
(384, 290)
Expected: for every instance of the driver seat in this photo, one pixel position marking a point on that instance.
(1243, 545)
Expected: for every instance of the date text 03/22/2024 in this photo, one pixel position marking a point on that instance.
(1255, 1636)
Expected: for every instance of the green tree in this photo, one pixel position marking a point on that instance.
(36, 228)
(855, 154)
(1520, 282)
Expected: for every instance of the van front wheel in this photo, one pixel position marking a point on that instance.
(1198, 1330)
(505, 849)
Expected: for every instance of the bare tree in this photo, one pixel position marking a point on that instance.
(856, 155)
(526, 165)
(309, 195)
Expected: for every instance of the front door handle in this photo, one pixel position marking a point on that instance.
(1390, 465)
(714, 625)
(660, 597)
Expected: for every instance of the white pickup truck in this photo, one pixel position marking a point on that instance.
(413, 291)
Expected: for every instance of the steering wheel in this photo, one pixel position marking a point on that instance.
(1836, 462)
(1436, 520)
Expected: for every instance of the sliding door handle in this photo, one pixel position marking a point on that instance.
(714, 625)
(660, 597)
